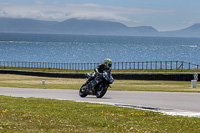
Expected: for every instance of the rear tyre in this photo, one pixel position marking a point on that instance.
(101, 90)
(82, 91)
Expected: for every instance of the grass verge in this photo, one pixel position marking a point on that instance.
(44, 115)
(20, 81)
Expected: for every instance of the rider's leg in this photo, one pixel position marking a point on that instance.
(95, 82)
(91, 86)
(88, 81)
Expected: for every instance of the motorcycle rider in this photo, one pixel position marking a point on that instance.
(99, 73)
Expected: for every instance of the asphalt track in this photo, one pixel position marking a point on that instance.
(173, 103)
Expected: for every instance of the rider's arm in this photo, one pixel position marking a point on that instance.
(111, 75)
(98, 69)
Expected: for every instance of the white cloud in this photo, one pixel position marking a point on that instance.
(59, 12)
(138, 21)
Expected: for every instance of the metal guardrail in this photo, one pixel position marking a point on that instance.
(143, 65)
(154, 65)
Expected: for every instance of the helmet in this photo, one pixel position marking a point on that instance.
(108, 63)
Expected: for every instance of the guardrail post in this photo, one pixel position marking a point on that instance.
(142, 64)
(138, 65)
(160, 64)
(182, 65)
(189, 66)
(171, 64)
(156, 65)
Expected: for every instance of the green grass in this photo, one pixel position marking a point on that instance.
(20, 81)
(43, 115)
(165, 86)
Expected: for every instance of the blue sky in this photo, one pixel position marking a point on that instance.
(164, 15)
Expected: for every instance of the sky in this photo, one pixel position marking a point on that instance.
(164, 15)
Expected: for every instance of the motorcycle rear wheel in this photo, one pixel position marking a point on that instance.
(81, 92)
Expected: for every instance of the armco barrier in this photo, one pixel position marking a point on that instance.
(155, 76)
(123, 76)
(44, 74)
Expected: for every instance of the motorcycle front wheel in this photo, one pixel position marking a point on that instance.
(82, 91)
(101, 90)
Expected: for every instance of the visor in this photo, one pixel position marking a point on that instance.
(109, 65)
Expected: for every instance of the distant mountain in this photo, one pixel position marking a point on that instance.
(192, 31)
(74, 26)
(88, 27)
(143, 31)
(11, 25)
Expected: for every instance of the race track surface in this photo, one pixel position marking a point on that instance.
(174, 103)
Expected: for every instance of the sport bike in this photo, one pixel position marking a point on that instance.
(100, 89)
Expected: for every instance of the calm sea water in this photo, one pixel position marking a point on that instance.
(94, 49)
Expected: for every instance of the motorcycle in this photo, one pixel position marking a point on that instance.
(100, 89)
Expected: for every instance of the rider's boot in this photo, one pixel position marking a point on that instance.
(85, 84)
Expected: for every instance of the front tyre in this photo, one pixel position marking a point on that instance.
(82, 91)
(101, 90)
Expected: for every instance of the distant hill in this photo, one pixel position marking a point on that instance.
(74, 26)
(192, 31)
(11, 25)
(88, 27)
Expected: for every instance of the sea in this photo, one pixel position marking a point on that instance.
(58, 48)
